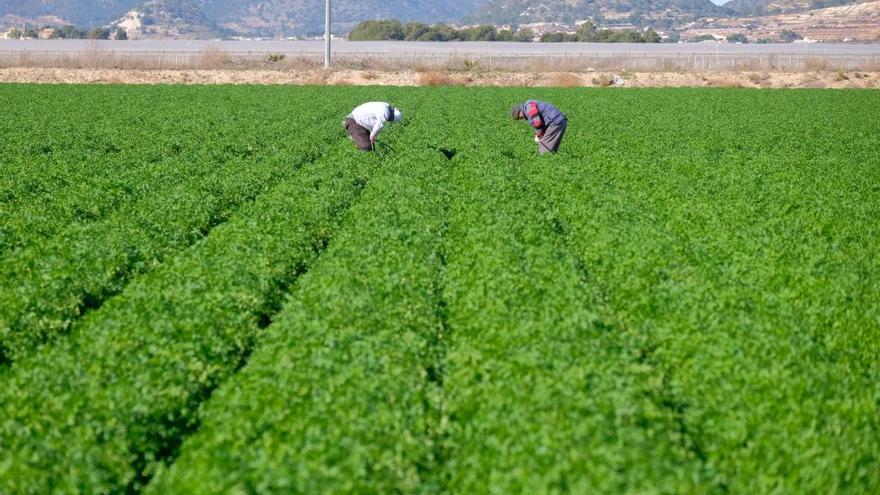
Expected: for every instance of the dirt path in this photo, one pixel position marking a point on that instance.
(436, 78)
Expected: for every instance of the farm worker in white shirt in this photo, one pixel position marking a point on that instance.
(365, 122)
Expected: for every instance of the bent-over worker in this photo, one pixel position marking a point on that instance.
(548, 121)
(365, 122)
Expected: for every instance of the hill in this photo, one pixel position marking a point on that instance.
(603, 11)
(180, 19)
(858, 22)
(298, 17)
(775, 7)
(78, 12)
(268, 18)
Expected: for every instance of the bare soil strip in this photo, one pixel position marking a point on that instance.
(744, 79)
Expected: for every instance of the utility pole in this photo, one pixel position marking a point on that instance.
(327, 36)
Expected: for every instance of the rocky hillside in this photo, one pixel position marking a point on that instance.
(602, 11)
(267, 18)
(181, 19)
(858, 22)
(826, 19)
(285, 17)
(78, 12)
(775, 7)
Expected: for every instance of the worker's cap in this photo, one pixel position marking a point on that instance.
(398, 115)
(515, 111)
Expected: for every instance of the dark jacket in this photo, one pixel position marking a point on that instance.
(542, 115)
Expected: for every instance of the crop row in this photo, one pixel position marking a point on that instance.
(103, 148)
(115, 397)
(336, 397)
(49, 286)
(86, 160)
(763, 359)
(744, 271)
(544, 394)
(684, 300)
(118, 396)
(353, 390)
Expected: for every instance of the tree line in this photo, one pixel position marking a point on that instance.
(394, 30)
(68, 32)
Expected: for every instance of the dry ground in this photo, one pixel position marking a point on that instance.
(858, 22)
(746, 79)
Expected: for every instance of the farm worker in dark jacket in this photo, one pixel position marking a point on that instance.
(548, 121)
(365, 122)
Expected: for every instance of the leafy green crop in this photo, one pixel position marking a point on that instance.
(87, 262)
(342, 378)
(686, 299)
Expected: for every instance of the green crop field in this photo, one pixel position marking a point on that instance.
(209, 290)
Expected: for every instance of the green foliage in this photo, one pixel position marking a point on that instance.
(742, 271)
(558, 38)
(121, 34)
(99, 242)
(787, 36)
(361, 411)
(26, 33)
(683, 300)
(524, 35)
(156, 351)
(651, 36)
(521, 360)
(377, 30)
(98, 33)
(702, 37)
(588, 33)
(393, 30)
(69, 32)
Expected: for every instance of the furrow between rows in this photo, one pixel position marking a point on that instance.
(49, 287)
(718, 291)
(540, 392)
(86, 162)
(334, 398)
(119, 393)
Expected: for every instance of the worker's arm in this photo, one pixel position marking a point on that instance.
(535, 119)
(377, 128)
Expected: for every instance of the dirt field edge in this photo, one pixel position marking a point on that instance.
(739, 79)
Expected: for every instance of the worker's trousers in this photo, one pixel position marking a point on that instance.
(552, 138)
(359, 134)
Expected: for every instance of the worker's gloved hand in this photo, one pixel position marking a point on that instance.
(537, 139)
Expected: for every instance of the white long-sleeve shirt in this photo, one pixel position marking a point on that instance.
(371, 116)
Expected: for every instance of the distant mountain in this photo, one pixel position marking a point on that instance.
(181, 19)
(78, 12)
(267, 18)
(285, 17)
(775, 7)
(603, 11)
(859, 22)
